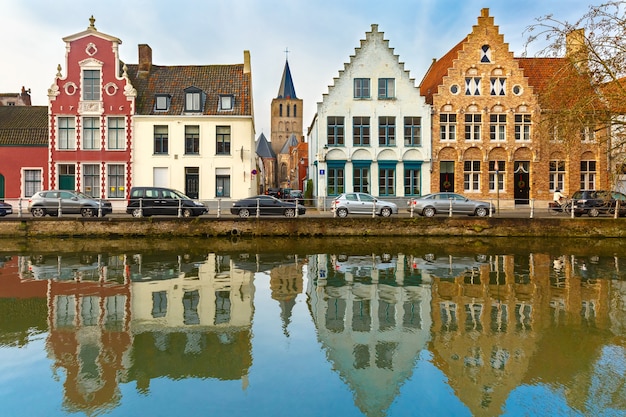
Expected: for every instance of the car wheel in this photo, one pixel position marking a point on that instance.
(244, 213)
(38, 212)
(385, 212)
(342, 212)
(137, 213)
(481, 211)
(87, 212)
(3, 212)
(186, 213)
(594, 212)
(290, 212)
(428, 212)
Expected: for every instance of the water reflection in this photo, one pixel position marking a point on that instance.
(492, 319)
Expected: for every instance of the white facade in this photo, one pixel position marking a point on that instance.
(231, 171)
(372, 93)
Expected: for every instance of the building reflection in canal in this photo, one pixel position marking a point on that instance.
(489, 322)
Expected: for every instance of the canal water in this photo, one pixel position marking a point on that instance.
(313, 327)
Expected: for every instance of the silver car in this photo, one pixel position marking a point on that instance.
(362, 203)
(70, 202)
(430, 204)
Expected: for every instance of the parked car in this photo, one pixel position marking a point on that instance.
(153, 201)
(292, 195)
(596, 202)
(267, 205)
(71, 202)
(430, 204)
(362, 203)
(5, 208)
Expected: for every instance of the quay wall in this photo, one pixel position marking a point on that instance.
(111, 227)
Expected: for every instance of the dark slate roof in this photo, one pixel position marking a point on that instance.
(292, 141)
(23, 126)
(263, 148)
(213, 80)
(287, 89)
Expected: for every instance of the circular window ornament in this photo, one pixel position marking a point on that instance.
(454, 89)
(70, 88)
(110, 89)
(517, 90)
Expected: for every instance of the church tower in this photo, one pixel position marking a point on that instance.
(286, 115)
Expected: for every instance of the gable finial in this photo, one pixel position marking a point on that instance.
(286, 54)
(92, 21)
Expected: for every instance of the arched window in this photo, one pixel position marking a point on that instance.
(280, 110)
(295, 110)
(287, 110)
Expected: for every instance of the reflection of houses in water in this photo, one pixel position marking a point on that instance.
(487, 321)
(373, 318)
(89, 336)
(196, 323)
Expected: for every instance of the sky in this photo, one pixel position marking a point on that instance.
(320, 36)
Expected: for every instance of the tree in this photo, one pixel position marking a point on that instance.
(585, 95)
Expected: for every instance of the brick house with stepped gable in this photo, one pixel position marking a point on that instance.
(487, 111)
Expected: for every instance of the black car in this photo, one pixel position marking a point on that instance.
(596, 202)
(151, 201)
(5, 208)
(267, 206)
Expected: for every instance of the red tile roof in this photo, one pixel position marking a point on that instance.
(439, 69)
(23, 126)
(213, 80)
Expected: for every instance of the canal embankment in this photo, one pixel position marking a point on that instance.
(122, 227)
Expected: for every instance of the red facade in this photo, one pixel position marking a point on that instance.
(90, 119)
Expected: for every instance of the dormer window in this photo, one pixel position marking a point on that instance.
(227, 102)
(194, 99)
(162, 102)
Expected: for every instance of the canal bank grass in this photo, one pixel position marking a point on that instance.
(109, 227)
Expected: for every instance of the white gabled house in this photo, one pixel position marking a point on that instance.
(371, 132)
(194, 128)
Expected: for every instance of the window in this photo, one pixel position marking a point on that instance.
(116, 181)
(497, 127)
(472, 86)
(587, 175)
(499, 178)
(227, 102)
(361, 179)
(447, 126)
(32, 181)
(222, 185)
(67, 133)
(471, 175)
(335, 131)
(472, 126)
(386, 181)
(485, 54)
(91, 180)
(387, 131)
(162, 102)
(522, 127)
(116, 133)
(295, 110)
(335, 185)
(161, 143)
(386, 88)
(412, 131)
(192, 140)
(193, 100)
(91, 132)
(361, 88)
(280, 110)
(412, 180)
(91, 85)
(361, 131)
(557, 174)
(159, 304)
(288, 110)
(587, 134)
(223, 140)
(498, 86)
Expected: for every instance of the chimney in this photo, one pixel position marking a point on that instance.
(246, 62)
(145, 58)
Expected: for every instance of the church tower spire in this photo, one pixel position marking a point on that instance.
(286, 114)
